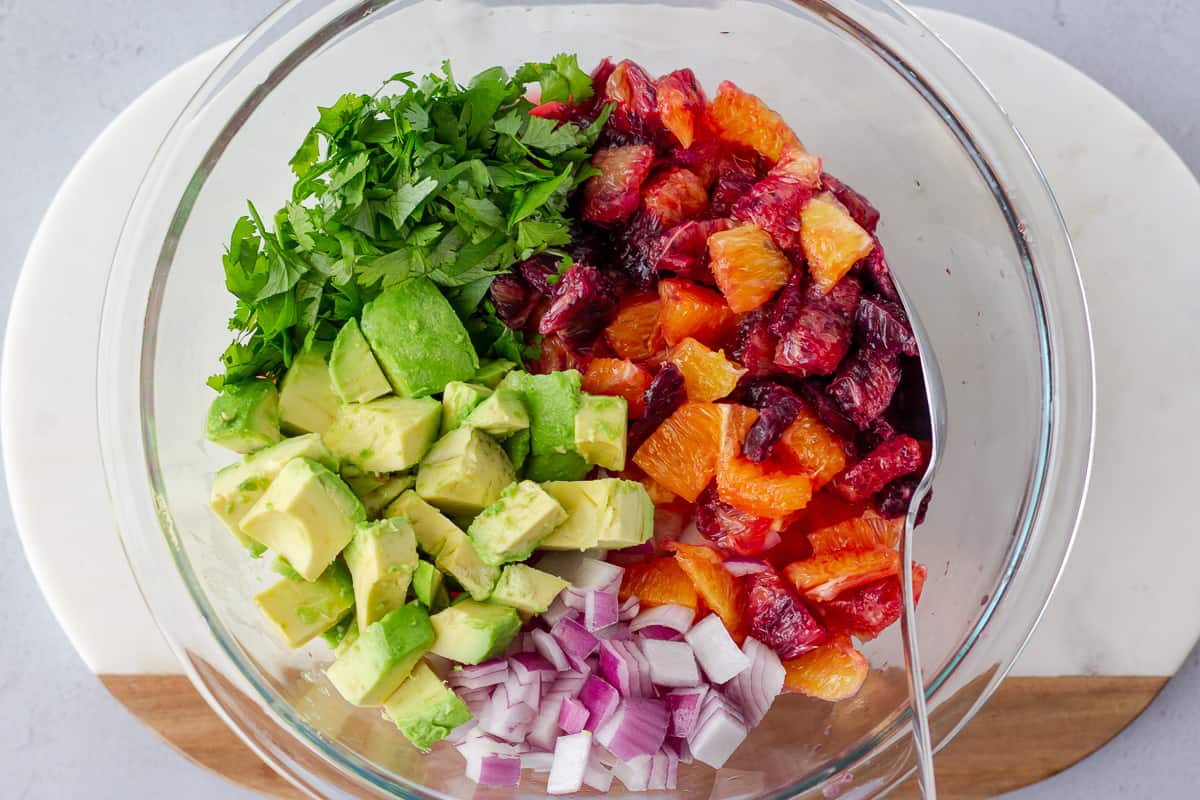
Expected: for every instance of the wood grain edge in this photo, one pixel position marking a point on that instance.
(1031, 729)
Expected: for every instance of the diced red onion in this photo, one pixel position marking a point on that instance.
(624, 666)
(572, 715)
(755, 689)
(680, 747)
(634, 772)
(692, 535)
(677, 618)
(600, 575)
(510, 722)
(529, 666)
(601, 699)
(638, 727)
(718, 732)
(684, 705)
(575, 639)
(527, 693)
(738, 567)
(571, 756)
(715, 649)
(479, 676)
(668, 525)
(672, 664)
(672, 768)
(583, 666)
(569, 683)
(617, 632)
(557, 610)
(659, 771)
(598, 776)
(660, 632)
(543, 731)
(476, 699)
(550, 650)
(629, 609)
(573, 598)
(537, 760)
(462, 732)
(495, 770)
(600, 609)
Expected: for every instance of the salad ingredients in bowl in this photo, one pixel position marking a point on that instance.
(578, 413)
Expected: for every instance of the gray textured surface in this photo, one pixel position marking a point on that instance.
(70, 65)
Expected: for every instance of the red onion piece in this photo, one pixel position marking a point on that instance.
(548, 647)
(575, 640)
(598, 776)
(600, 609)
(738, 567)
(529, 694)
(571, 757)
(672, 664)
(634, 773)
(638, 727)
(692, 535)
(601, 699)
(557, 610)
(600, 575)
(629, 609)
(677, 618)
(479, 676)
(718, 732)
(715, 649)
(569, 683)
(572, 715)
(684, 705)
(659, 632)
(573, 599)
(543, 730)
(537, 760)
(529, 666)
(756, 689)
(618, 632)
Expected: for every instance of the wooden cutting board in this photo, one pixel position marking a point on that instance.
(1080, 682)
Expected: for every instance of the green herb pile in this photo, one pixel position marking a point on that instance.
(451, 182)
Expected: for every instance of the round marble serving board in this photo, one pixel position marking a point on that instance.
(1096, 661)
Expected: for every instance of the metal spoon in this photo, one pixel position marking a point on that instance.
(935, 404)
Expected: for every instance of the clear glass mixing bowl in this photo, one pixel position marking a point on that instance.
(971, 230)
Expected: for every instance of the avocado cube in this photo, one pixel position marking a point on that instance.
(552, 401)
(355, 374)
(379, 498)
(307, 402)
(458, 400)
(349, 637)
(609, 513)
(237, 487)
(492, 372)
(556, 467)
(300, 610)
(386, 435)
(527, 589)
(464, 472)
(244, 417)
(425, 709)
(630, 517)
(500, 415)
(340, 636)
(516, 447)
(429, 586)
(600, 427)
(509, 529)
(381, 658)
(381, 557)
(471, 632)
(446, 543)
(419, 340)
(460, 560)
(307, 515)
(430, 525)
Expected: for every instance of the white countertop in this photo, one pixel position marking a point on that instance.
(71, 65)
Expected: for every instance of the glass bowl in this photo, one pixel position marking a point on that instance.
(971, 230)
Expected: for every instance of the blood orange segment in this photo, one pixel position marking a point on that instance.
(690, 310)
(680, 104)
(618, 377)
(824, 577)
(761, 489)
(719, 589)
(636, 334)
(742, 118)
(869, 610)
(674, 196)
(834, 671)
(812, 448)
(748, 266)
(868, 532)
(613, 195)
(682, 453)
(833, 242)
(796, 163)
(708, 374)
(659, 582)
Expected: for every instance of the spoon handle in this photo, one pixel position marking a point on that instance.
(912, 659)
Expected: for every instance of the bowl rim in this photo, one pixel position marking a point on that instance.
(1074, 381)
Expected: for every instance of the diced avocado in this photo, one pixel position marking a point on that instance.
(429, 586)
(300, 610)
(527, 589)
(517, 448)
(349, 637)
(386, 435)
(379, 498)
(340, 636)
(609, 513)
(384, 654)
(307, 515)
(237, 487)
(492, 372)
(471, 632)
(552, 401)
(355, 374)
(600, 428)
(458, 400)
(464, 472)
(307, 402)
(418, 339)
(425, 709)
(446, 543)
(500, 415)
(556, 467)
(244, 417)
(381, 557)
(509, 529)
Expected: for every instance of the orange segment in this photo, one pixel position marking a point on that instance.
(689, 309)
(748, 266)
(812, 448)
(834, 671)
(659, 582)
(680, 103)
(708, 374)
(799, 165)
(674, 196)
(635, 332)
(744, 119)
(619, 378)
(833, 242)
(868, 532)
(824, 577)
(719, 589)
(681, 454)
(760, 489)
